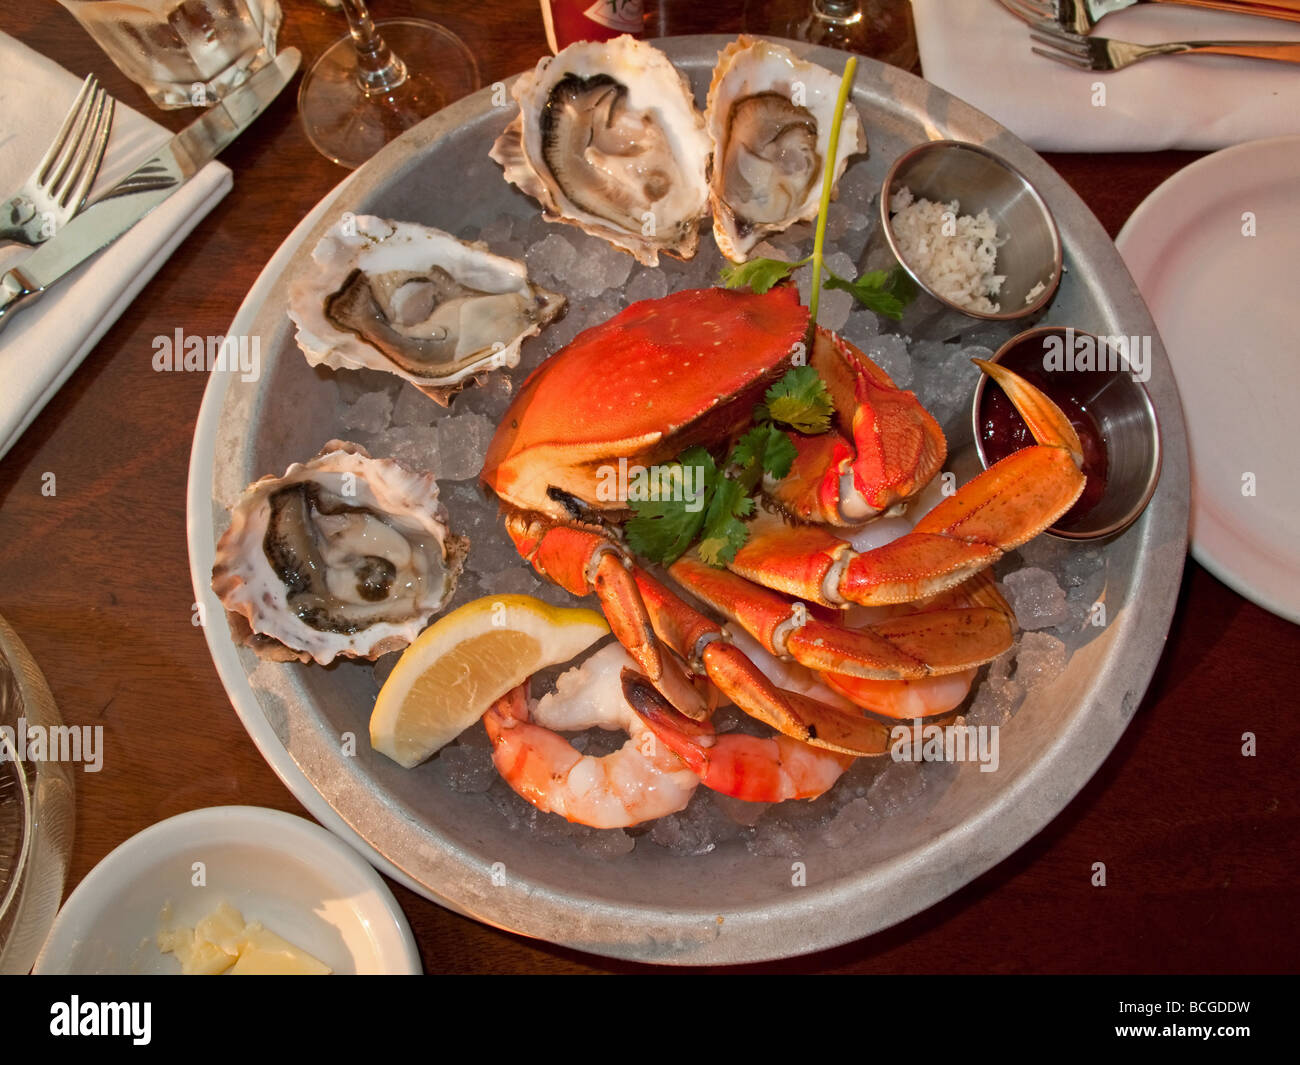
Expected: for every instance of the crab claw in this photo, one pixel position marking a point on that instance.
(1045, 419)
(1005, 506)
(887, 447)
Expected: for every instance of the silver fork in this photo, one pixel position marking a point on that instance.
(1080, 16)
(1104, 53)
(57, 188)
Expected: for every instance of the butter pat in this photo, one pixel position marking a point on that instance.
(263, 953)
(222, 942)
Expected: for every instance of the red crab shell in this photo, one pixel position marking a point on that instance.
(643, 386)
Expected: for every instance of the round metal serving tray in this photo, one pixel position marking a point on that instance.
(652, 905)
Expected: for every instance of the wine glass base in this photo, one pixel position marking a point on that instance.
(348, 124)
(883, 30)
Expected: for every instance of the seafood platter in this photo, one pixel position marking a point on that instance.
(603, 546)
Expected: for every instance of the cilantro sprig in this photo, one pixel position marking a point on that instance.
(799, 400)
(887, 292)
(759, 274)
(662, 529)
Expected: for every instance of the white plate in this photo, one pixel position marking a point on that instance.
(1225, 304)
(284, 871)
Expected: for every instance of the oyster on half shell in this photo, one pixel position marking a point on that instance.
(344, 555)
(608, 139)
(769, 116)
(416, 302)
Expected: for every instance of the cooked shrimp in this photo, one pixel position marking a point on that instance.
(744, 767)
(905, 699)
(640, 781)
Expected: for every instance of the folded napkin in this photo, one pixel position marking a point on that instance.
(980, 52)
(44, 342)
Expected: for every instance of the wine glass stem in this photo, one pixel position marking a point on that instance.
(378, 69)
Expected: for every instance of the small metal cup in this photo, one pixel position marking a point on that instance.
(1117, 402)
(943, 171)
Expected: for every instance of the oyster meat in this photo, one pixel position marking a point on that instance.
(416, 302)
(769, 116)
(344, 555)
(608, 139)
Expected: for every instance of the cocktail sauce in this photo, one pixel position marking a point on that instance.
(1003, 431)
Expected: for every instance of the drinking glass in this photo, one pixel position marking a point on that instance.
(881, 29)
(36, 810)
(379, 80)
(183, 53)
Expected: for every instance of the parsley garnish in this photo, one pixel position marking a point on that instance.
(662, 529)
(800, 400)
(887, 292)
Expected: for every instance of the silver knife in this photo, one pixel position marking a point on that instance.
(122, 206)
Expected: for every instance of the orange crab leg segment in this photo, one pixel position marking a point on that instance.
(946, 628)
(788, 712)
(581, 562)
(701, 641)
(948, 639)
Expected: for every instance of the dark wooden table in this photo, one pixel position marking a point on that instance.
(1199, 842)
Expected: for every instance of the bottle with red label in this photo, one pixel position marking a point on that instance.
(567, 21)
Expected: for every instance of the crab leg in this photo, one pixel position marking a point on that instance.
(887, 447)
(947, 637)
(582, 562)
(703, 644)
(1008, 504)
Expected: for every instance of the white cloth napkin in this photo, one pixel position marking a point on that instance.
(44, 342)
(980, 52)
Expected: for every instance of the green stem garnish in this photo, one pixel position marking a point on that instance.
(828, 180)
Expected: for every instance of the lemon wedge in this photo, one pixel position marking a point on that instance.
(448, 678)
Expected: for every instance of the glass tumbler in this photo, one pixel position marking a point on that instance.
(183, 53)
(36, 809)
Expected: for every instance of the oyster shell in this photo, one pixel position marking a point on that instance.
(416, 302)
(769, 116)
(343, 555)
(608, 139)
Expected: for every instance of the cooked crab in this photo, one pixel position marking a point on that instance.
(687, 369)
